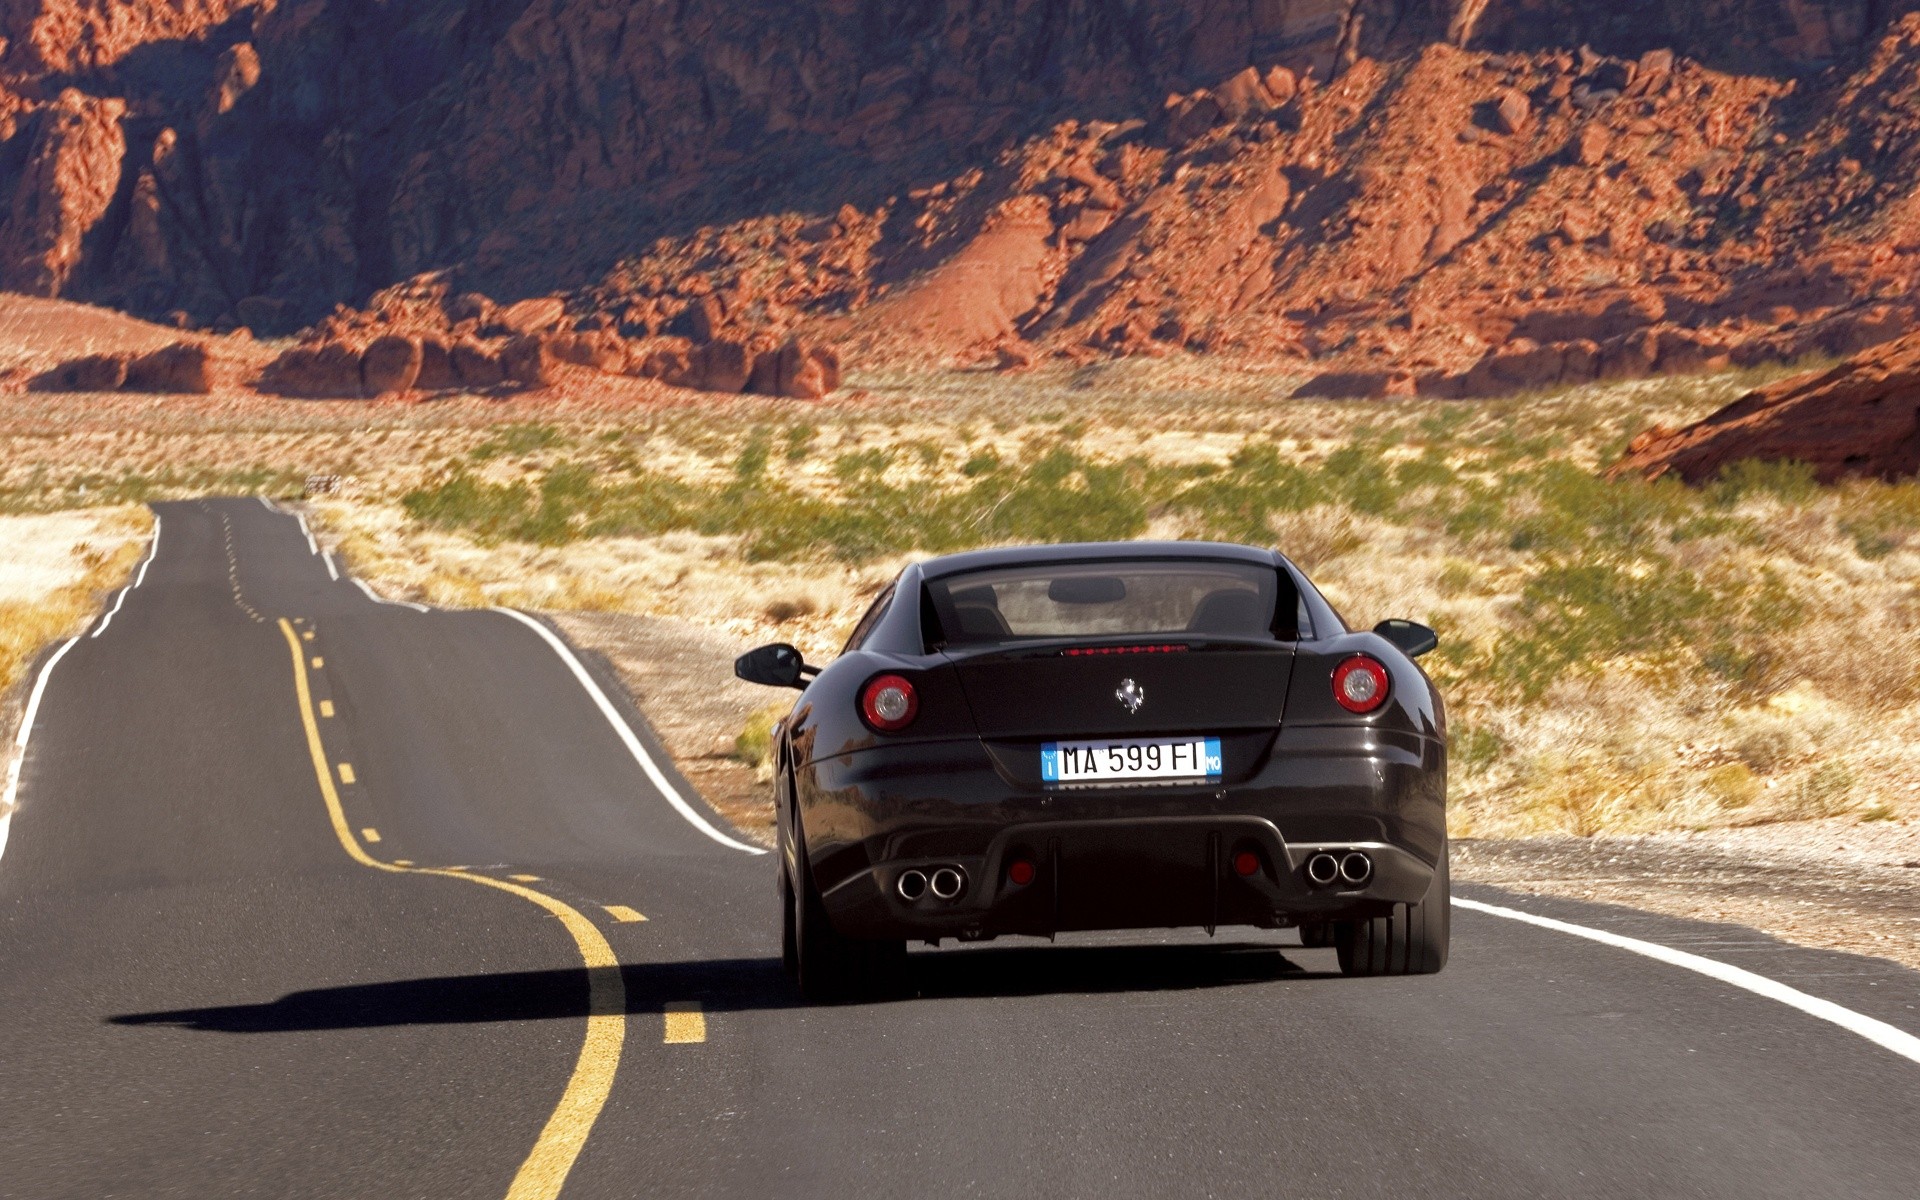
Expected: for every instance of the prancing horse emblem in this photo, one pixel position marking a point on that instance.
(1130, 695)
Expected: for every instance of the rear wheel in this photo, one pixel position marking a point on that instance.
(830, 966)
(789, 928)
(1411, 941)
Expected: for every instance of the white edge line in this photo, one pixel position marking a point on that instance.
(153, 548)
(20, 742)
(377, 598)
(333, 572)
(313, 547)
(627, 735)
(266, 504)
(1878, 1032)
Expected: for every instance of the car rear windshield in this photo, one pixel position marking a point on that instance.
(1110, 599)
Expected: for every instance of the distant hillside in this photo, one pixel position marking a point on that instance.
(1451, 196)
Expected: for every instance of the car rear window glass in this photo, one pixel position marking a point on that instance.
(1111, 599)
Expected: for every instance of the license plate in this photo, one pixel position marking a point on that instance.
(1130, 759)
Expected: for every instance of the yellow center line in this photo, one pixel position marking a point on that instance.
(326, 708)
(370, 834)
(346, 772)
(525, 878)
(546, 1167)
(686, 1024)
(625, 915)
(318, 662)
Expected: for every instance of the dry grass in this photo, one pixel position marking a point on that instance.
(54, 571)
(1616, 657)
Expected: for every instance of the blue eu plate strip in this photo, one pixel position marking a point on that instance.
(1212, 765)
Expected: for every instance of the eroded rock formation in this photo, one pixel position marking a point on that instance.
(1860, 418)
(1451, 197)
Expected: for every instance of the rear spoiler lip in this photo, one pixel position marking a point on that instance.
(1059, 647)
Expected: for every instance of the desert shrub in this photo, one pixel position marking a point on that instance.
(1823, 791)
(1789, 482)
(493, 511)
(518, 440)
(754, 743)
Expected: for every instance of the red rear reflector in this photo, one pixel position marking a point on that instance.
(1246, 863)
(1020, 872)
(1085, 651)
(888, 703)
(1360, 684)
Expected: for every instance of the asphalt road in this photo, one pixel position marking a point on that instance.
(215, 981)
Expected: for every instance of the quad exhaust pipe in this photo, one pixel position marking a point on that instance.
(1322, 869)
(1352, 869)
(946, 883)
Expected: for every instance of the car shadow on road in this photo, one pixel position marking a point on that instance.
(739, 985)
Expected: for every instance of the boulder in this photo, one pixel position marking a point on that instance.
(660, 358)
(527, 363)
(436, 365)
(322, 371)
(806, 370)
(180, 367)
(539, 315)
(722, 366)
(390, 365)
(476, 365)
(1244, 95)
(1283, 85)
(1860, 418)
(87, 373)
(1511, 109)
(598, 349)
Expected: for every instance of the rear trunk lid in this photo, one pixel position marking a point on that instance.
(1026, 697)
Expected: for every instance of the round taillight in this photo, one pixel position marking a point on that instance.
(1246, 863)
(1360, 684)
(1020, 872)
(888, 703)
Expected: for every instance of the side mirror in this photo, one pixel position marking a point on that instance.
(778, 665)
(1413, 638)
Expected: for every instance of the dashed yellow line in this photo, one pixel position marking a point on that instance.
(326, 708)
(686, 1024)
(525, 878)
(546, 1167)
(625, 915)
(318, 662)
(307, 636)
(370, 834)
(346, 773)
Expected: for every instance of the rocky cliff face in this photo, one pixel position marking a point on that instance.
(1456, 196)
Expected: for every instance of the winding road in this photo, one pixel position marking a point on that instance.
(312, 894)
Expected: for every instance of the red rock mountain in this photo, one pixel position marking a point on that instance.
(1449, 196)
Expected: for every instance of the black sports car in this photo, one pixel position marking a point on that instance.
(1110, 736)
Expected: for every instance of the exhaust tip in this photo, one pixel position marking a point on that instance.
(947, 883)
(911, 885)
(1322, 869)
(1356, 868)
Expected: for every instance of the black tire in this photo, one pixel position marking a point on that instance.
(830, 966)
(789, 928)
(1412, 941)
